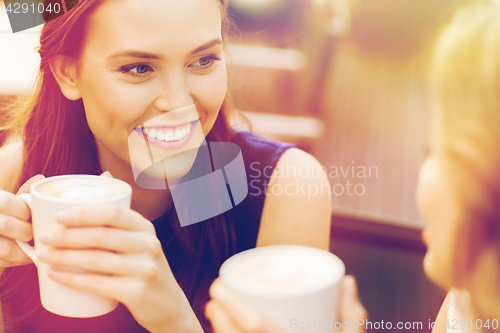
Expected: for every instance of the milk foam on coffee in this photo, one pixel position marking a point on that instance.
(84, 189)
(282, 272)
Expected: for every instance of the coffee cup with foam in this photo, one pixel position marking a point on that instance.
(46, 198)
(293, 286)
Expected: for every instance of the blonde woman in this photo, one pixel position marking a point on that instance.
(459, 188)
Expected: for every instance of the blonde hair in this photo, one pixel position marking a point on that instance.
(466, 142)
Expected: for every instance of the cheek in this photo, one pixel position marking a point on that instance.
(111, 106)
(435, 204)
(209, 92)
(215, 87)
(438, 266)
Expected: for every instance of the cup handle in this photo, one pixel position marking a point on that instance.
(25, 247)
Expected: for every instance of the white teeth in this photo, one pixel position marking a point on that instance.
(152, 134)
(178, 134)
(169, 135)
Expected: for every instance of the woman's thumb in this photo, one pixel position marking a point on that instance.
(351, 308)
(106, 174)
(26, 186)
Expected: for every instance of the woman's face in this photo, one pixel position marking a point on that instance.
(439, 210)
(142, 60)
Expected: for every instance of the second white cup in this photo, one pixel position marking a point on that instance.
(295, 287)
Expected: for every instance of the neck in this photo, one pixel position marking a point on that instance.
(151, 204)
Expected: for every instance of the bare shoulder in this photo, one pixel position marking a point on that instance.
(11, 159)
(297, 164)
(297, 157)
(297, 208)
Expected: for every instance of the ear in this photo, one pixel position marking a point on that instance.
(65, 72)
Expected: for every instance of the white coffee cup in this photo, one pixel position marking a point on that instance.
(50, 196)
(291, 285)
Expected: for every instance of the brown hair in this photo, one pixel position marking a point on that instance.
(57, 140)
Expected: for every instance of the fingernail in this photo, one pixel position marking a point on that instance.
(45, 237)
(107, 174)
(219, 291)
(211, 308)
(43, 254)
(208, 309)
(350, 278)
(53, 273)
(62, 217)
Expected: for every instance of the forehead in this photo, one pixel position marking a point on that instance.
(160, 26)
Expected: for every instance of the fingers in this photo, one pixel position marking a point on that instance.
(125, 289)
(242, 317)
(221, 322)
(104, 215)
(351, 308)
(11, 254)
(11, 205)
(110, 239)
(101, 262)
(14, 228)
(112, 287)
(350, 299)
(14, 214)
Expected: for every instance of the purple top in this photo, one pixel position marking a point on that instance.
(260, 156)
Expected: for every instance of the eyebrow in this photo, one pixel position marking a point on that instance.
(146, 55)
(208, 45)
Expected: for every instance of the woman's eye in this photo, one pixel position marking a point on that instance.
(137, 70)
(141, 69)
(206, 62)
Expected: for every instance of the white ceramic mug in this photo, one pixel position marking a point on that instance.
(295, 287)
(55, 297)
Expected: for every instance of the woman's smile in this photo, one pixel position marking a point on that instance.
(168, 138)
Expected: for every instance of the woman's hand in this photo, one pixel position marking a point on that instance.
(230, 316)
(14, 217)
(124, 261)
(350, 307)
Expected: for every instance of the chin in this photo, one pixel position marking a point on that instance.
(438, 274)
(172, 168)
(159, 175)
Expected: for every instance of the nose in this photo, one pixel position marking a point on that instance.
(173, 92)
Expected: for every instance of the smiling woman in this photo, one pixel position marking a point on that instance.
(155, 72)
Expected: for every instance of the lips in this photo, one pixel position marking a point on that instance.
(425, 235)
(168, 134)
(168, 138)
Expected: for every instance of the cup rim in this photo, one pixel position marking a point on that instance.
(33, 189)
(227, 265)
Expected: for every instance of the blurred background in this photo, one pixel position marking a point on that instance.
(345, 80)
